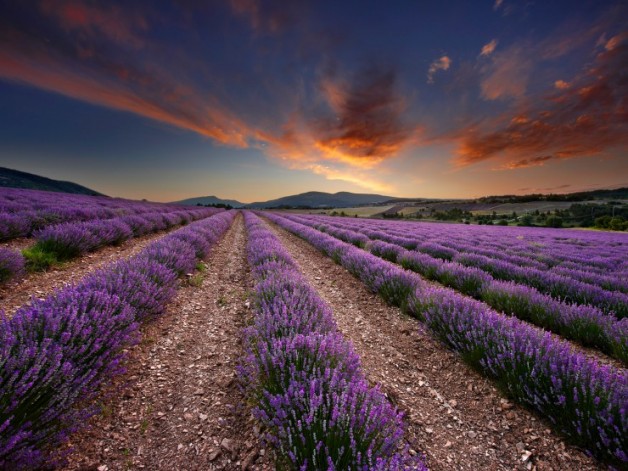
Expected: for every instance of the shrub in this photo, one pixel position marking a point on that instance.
(11, 264)
(53, 355)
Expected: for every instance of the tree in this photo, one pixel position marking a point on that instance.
(525, 220)
(554, 221)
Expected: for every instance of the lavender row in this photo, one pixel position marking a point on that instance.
(556, 285)
(583, 400)
(24, 211)
(56, 353)
(305, 380)
(72, 239)
(65, 241)
(445, 245)
(586, 325)
(536, 247)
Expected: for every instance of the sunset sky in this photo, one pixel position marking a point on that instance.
(252, 99)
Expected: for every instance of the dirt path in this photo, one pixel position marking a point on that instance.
(453, 414)
(17, 293)
(182, 408)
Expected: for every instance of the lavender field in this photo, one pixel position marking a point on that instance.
(532, 320)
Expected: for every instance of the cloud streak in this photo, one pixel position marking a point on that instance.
(489, 48)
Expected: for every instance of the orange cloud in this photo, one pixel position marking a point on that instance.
(616, 41)
(584, 119)
(561, 84)
(362, 128)
(125, 89)
(525, 163)
(489, 48)
(442, 63)
(507, 76)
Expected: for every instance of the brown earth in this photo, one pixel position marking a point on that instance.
(453, 414)
(180, 407)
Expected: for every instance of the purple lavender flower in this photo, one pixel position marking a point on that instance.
(11, 264)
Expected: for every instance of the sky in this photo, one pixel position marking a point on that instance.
(253, 100)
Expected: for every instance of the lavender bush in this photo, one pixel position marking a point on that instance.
(11, 264)
(585, 401)
(54, 355)
(304, 379)
(145, 284)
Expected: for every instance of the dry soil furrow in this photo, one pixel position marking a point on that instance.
(181, 408)
(453, 414)
(15, 294)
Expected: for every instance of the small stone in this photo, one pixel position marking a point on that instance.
(472, 434)
(453, 403)
(248, 461)
(227, 444)
(448, 444)
(520, 447)
(214, 454)
(179, 447)
(526, 456)
(429, 430)
(103, 467)
(202, 417)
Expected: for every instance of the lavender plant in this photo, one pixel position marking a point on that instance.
(11, 264)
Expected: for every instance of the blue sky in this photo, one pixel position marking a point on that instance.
(252, 99)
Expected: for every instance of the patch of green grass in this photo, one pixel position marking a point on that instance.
(200, 266)
(196, 280)
(39, 258)
(143, 426)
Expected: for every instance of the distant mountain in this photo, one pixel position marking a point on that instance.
(205, 200)
(317, 199)
(15, 179)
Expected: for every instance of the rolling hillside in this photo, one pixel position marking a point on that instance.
(15, 179)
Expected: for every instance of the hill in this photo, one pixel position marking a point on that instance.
(318, 199)
(206, 200)
(15, 179)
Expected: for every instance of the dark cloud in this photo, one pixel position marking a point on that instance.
(525, 163)
(584, 119)
(366, 122)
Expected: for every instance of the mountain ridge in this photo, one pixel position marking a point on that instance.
(10, 178)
